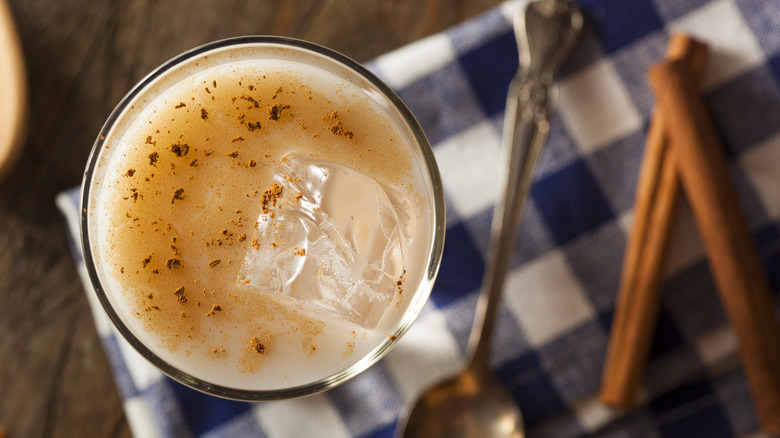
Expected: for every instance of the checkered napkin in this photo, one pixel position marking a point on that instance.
(560, 294)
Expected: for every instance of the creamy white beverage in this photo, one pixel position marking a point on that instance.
(261, 218)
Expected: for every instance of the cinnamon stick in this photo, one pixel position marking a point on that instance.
(734, 261)
(638, 302)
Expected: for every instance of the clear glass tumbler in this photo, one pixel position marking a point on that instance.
(123, 301)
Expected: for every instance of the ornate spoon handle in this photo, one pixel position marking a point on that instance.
(546, 32)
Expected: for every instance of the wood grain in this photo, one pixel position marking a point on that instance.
(82, 56)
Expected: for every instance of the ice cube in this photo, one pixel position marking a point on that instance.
(333, 242)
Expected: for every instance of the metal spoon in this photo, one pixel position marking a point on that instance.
(473, 403)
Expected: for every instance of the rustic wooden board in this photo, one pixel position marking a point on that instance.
(82, 56)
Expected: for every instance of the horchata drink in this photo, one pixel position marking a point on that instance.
(262, 218)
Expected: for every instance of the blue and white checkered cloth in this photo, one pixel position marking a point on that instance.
(560, 294)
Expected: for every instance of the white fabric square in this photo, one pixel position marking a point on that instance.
(102, 322)
(244, 425)
(509, 9)
(626, 221)
(593, 414)
(427, 353)
(463, 161)
(546, 298)
(69, 209)
(302, 417)
(140, 418)
(716, 346)
(760, 164)
(596, 107)
(733, 49)
(143, 373)
(685, 247)
(399, 68)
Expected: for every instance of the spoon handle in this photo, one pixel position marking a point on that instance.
(545, 34)
(527, 134)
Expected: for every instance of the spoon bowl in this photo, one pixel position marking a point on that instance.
(470, 404)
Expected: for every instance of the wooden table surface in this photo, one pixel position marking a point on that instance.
(82, 56)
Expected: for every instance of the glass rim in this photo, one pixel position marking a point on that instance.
(422, 291)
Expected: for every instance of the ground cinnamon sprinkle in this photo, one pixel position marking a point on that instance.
(257, 345)
(130, 172)
(135, 194)
(233, 154)
(338, 129)
(180, 105)
(235, 139)
(214, 309)
(276, 111)
(349, 350)
(178, 195)
(173, 263)
(250, 99)
(203, 113)
(180, 149)
(146, 261)
(153, 157)
(214, 263)
(400, 283)
(270, 196)
(180, 295)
